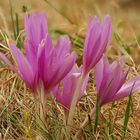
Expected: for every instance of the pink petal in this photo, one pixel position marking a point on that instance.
(117, 81)
(8, 63)
(106, 35)
(44, 56)
(92, 38)
(24, 67)
(30, 54)
(99, 74)
(63, 46)
(63, 69)
(36, 29)
(69, 83)
(107, 77)
(127, 87)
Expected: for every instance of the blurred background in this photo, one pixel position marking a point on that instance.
(71, 16)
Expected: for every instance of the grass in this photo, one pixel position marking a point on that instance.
(17, 105)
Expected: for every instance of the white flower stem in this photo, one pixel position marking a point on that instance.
(75, 98)
(42, 106)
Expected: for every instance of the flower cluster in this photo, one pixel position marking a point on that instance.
(54, 66)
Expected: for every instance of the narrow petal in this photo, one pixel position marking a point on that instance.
(63, 46)
(84, 86)
(36, 28)
(110, 98)
(106, 31)
(91, 43)
(8, 63)
(107, 77)
(23, 65)
(30, 54)
(63, 69)
(133, 85)
(99, 74)
(105, 37)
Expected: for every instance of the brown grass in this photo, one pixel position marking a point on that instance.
(17, 105)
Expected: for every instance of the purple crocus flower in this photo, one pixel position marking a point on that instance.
(64, 93)
(97, 39)
(110, 81)
(42, 63)
(55, 62)
(36, 30)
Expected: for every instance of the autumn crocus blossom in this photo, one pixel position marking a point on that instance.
(64, 93)
(36, 30)
(42, 63)
(110, 81)
(55, 62)
(97, 40)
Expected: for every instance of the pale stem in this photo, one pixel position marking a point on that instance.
(42, 105)
(75, 98)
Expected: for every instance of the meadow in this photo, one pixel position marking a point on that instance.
(35, 111)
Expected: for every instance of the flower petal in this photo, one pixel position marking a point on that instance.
(106, 35)
(131, 85)
(36, 28)
(24, 67)
(63, 69)
(63, 46)
(8, 63)
(99, 74)
(91, 42)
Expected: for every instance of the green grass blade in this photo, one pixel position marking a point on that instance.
(127, 114)
(19, 44)
(12, 19)
(17, 25)
(96, 115)
(110, 123)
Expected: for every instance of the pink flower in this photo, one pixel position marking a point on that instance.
(42, 63)
(55, 62)
(64, 93)
(36, 30)
(110, 81)
(97, 39)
